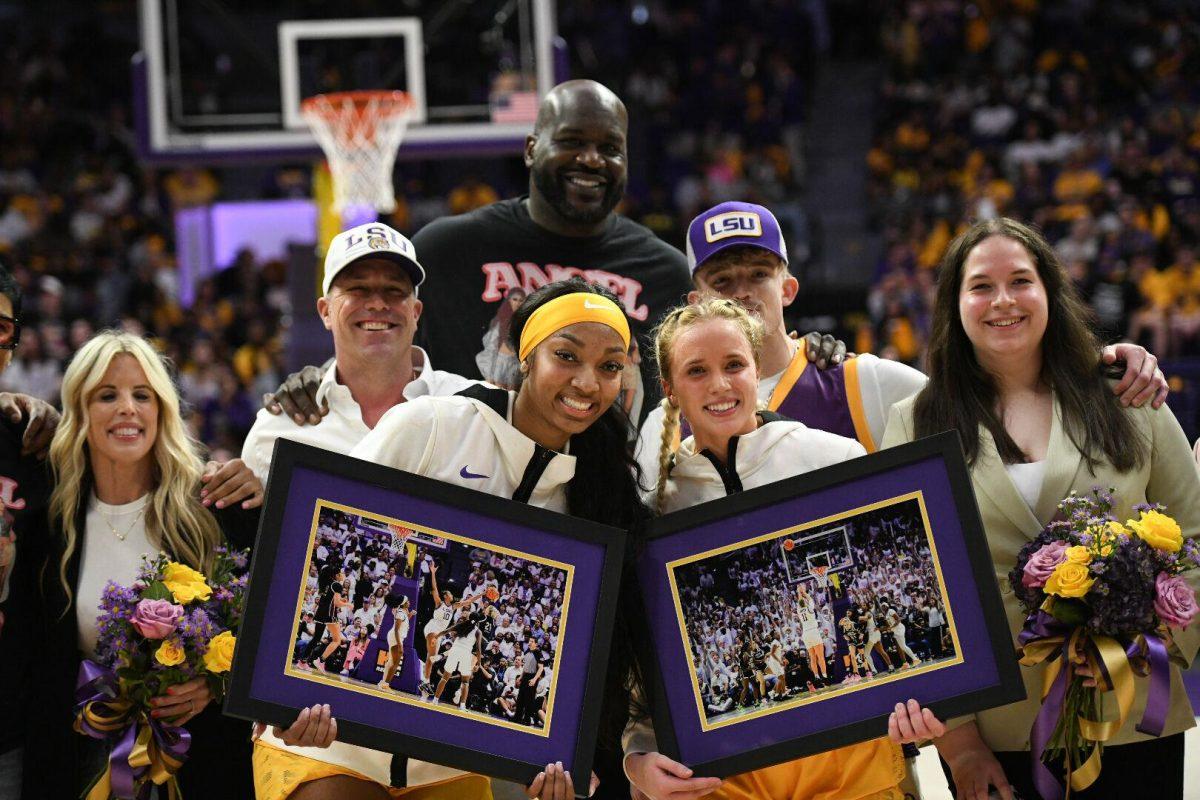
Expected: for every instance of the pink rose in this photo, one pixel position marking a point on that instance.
(1041, 564)
(1175, 601)
(156, 619)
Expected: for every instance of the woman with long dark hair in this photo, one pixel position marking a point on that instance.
(1014, 367)
(572, 339)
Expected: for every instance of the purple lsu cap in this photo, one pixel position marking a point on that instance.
(729, 225)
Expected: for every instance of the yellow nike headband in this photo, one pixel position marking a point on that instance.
(568, 310)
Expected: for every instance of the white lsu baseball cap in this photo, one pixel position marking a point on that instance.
(372, 240)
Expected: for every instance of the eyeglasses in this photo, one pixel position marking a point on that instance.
(10, 332)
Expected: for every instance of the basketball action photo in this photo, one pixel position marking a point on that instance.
(422, 617)
(814, 611)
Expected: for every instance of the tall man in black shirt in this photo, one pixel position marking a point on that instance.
(565, 226)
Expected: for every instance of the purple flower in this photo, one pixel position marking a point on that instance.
(1175, 601)
(1042, 563)
(1122, 599)
(156, 619)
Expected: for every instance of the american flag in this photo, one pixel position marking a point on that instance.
(514, 106)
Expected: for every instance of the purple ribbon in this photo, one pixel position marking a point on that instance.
(122, 777)
(1159, 696)
(97, 683)
(1040, 625)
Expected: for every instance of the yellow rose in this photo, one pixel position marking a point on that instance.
(1117, 528)
(1078, 554)
(219, 655)
(185, 583)
(1158, 530)
(169, 653)
(1069, 579)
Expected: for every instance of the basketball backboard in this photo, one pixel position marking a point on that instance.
(217, 80)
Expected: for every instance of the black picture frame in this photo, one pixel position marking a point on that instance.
(930, 474)
(266, 686)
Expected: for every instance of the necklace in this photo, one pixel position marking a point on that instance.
(121, 536)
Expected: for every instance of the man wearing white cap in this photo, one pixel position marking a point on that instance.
(369, 303)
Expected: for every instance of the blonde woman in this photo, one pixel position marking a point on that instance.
(708, 359)
(127, 482)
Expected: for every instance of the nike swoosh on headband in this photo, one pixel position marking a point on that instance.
(588, 304)
(466, 474)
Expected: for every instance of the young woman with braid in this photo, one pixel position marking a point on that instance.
(708, 359)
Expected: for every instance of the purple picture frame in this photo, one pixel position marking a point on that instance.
(263, 686)
(984, 673)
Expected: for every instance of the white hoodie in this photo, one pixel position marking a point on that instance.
(779, 449)
(469, 440)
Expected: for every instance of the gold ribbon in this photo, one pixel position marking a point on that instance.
(146, 753)
(1093, 651)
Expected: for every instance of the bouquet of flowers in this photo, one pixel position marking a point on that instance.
(1102, 593)
(172, 625)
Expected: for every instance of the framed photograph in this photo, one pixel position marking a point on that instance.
(789, 619)
(437, 622)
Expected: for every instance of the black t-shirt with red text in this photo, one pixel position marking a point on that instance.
(24, 493)
(474, 261)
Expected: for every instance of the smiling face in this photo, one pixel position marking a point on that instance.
(1002, 301)
(372, 311)
(122, 415)
(753, 277)
(714, 379)
(577, 159)
(574, 376)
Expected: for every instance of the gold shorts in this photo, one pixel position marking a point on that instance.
(279, 772)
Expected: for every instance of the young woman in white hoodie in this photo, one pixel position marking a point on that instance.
(708, 360)
(557, 442)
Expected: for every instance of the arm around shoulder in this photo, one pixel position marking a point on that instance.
(896, 381)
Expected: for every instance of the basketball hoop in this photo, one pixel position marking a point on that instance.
(360, 133)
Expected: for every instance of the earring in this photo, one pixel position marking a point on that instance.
(524, 367)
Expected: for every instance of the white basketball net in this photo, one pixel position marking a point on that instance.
(360, 133)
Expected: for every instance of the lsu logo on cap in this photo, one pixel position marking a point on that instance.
(732, 223)
(377, 243)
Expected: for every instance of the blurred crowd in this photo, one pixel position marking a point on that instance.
(1080, 117)
(89, 231)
